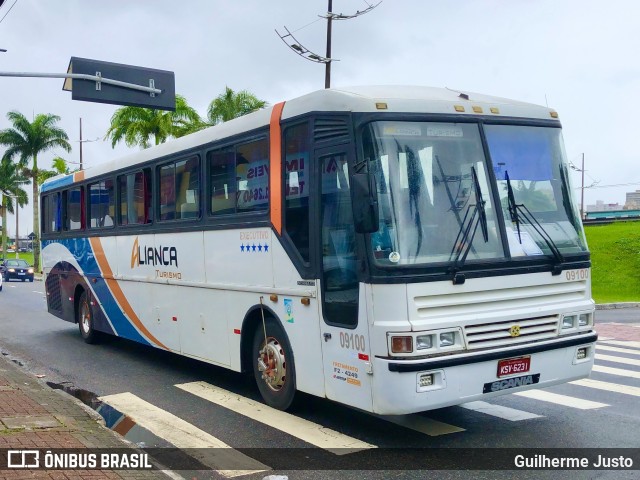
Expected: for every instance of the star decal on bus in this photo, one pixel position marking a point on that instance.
(254, 248)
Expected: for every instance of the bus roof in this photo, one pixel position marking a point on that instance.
(365, 99)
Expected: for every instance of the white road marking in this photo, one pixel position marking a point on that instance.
(627, 351)
(609, 387)
(622, 343)
(298, 427)
(499, 411)
(604, 339)
(612, 358)
(184, 435)
(428, 426)
(564, 400)
(616, 371)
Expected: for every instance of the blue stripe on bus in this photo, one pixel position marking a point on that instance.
(60, 182)
(80, 249)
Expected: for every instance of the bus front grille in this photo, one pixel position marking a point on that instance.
(505, 333)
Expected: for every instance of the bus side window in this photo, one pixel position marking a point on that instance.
(252, 174)
(222, 182)
(296, 194)
(135, 198)
(52, 213)
(74, 209)
(101, 204)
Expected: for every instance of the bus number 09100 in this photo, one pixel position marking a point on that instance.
(352, 342)
(581, 274)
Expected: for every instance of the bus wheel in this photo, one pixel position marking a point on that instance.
(85, 320)
(273, 366)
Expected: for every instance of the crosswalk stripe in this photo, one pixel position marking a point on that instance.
(616, 371)
(609, 387)
(564, 400)
(184, 435)
(298, 427)
(499, 411)
(418, 423)
(627, 351)
(613, 358)
(621, 343)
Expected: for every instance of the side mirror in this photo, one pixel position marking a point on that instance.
(364, 196)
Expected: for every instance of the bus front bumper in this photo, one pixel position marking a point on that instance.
(410, 386)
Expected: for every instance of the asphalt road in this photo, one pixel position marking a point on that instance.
(48, 346)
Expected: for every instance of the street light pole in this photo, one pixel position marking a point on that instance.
(582, 193)
(327, 71)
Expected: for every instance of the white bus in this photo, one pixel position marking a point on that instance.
(395, 249)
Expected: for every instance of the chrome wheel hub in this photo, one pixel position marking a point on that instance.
(85, 318)
(272, 364)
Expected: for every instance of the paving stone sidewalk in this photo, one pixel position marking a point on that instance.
(32, 415)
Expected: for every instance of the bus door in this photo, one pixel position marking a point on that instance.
(343, 325)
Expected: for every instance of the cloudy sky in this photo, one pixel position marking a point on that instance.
(580, 57)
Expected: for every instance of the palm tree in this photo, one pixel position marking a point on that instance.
(26, 140)
(224, 107)
(60, 167)
(230, 105)
(138, 126)
(11, 181)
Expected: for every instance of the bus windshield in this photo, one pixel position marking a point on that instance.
(435, 193)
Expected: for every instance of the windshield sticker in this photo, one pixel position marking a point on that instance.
(525, 245)
(444, 131)
(402, 130)
(394, 257)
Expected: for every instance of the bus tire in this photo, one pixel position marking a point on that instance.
(273, 367)
(85, 320)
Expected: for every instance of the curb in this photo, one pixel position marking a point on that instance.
(614, 306)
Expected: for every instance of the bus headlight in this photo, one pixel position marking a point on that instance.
(568, 321)
(447, 339)
(424, 342)
(584, 320)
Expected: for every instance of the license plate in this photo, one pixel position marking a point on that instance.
(512, 366)
(21, 273)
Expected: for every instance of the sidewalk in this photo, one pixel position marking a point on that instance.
(32, 415)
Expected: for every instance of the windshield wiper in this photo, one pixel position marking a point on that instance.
(516, 211)
(468, 229)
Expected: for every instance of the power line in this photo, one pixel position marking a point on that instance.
(10, 8)
(630, 184)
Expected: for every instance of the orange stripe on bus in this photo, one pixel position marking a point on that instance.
(117, 292)
(124, 426)
(275, 168)
(78, 176)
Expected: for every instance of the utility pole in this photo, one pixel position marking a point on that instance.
(327, 71)
(307, 54)
(80, 143)
(582, 192)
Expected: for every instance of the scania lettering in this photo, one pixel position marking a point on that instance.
(395, 249)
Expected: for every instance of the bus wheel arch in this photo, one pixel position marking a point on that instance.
(271, 362)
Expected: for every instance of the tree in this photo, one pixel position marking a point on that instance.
(11, 181)
(138, 126)
(60, 167)
(26, 140)
(230, 105)
(224, 107)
